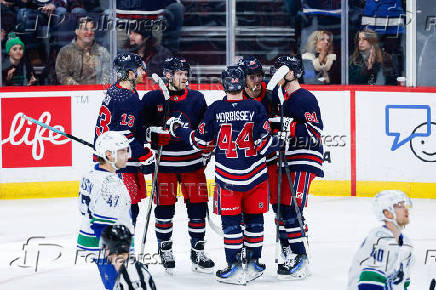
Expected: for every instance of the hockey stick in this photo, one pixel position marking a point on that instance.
(279, 179)
(166, 94)
(56, 130)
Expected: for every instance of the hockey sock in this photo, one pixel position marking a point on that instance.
(253, 234)
(233, 239)
(282, 232)
(164, 222)
(293, 230)
(197, 222)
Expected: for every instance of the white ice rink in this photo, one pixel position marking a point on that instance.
(337, 225)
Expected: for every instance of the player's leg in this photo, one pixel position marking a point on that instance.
(295, 266)
(254, 205)
(228, 205)
(165, 199)
(194, 190)
(135, 184)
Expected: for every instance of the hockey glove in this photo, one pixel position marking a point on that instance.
(148, 158)
(157, 136)
(288, 124)
(278, 75)
(206, 158)
(173, 123)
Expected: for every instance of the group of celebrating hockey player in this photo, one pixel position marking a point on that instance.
(267, 144)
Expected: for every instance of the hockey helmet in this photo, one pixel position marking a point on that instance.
(250, 65)
(293, 63)
(117, 239)
(110, 141)
(386, 199)
(174, 64)
(125, 62)
(233, 79)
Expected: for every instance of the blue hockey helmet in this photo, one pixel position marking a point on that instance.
(250, 65)
(125, 62)
(174, 64)
(233, 79)
(293, 63)
(117, 239)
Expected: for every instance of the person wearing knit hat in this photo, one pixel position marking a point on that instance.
(13, 39)
(16, 70)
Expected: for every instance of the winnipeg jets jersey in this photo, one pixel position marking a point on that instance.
(177, 157)
(381, 262)
(240, 132)
(121, 111)
(103, 200)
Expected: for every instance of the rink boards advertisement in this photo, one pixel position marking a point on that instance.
(374, 138)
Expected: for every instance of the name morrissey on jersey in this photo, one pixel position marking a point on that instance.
(225, 117)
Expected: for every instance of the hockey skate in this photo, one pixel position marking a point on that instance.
(166, 256)
(294, 268)
(234, 273)
(254, 269)
(200, 262)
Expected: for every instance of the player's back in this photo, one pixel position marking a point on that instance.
(237, 125)
(382, 262)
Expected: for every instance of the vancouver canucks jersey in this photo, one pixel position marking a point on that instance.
(103, 200)
(381, 262)
(189, 106)
(239, 130)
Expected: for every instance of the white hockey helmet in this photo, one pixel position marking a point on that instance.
(110, 141)
(386, 199)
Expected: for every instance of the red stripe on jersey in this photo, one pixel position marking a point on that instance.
(181, 158)
(196, 144)
(313, 130)
(245, 176)
(303, 156)
(262, 145)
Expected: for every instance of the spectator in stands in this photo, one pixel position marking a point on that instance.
(386, 18)
(16, 69)
(368, 63)
(83, 61)
(171, 10)
(319, 61)
(153, 54)
(72, 6)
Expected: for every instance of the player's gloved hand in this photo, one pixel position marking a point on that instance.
(157, 136)
(173, 123)
(275, 123)
(206, 158)
(277, 76)
(148, 158)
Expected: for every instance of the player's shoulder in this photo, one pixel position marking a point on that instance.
(380, 236)
(195, 93)
(303, 94)
(153, 96)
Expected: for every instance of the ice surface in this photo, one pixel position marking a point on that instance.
(337, 225)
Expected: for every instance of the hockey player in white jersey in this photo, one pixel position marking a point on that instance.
(385, 257)
(104, 200)
(130, 273)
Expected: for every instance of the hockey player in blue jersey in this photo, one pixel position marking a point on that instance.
(179, 164)
(121, 111)
(304, 158)
(239, 130)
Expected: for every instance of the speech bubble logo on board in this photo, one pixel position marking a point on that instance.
(401, 122)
